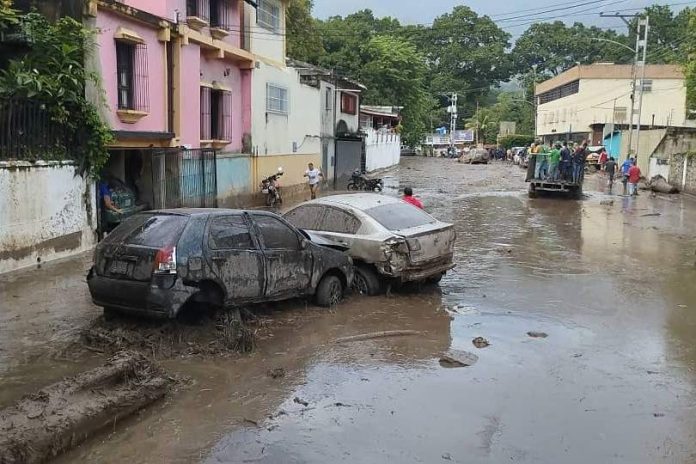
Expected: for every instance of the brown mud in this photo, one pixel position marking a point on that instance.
(46, 423)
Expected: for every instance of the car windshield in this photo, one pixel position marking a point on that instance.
(398, 216)
(149, 230)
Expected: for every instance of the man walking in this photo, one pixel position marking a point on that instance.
(633, 179)
(625, 167)
(610, 169)
(313, 176)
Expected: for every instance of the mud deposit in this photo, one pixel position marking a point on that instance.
(56, 418)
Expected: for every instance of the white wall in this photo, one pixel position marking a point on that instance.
(658, 169)
(274, 133)
(352, 120)
(264, 42)
(46, 212)
(594, 104)
(382, 149)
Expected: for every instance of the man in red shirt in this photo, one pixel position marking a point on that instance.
(633, 179)
(409, 198)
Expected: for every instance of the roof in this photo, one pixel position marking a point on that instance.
(308, 69)
(360, 201)
(609, 71)
(386, 111)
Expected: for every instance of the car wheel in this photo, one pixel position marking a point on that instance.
(366, 281)
(329, 292)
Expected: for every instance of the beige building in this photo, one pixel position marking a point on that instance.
(587, 101)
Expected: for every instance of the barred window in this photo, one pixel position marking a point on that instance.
(198, 8)
(276, 99)
(560, 92)
(132, 76)
(221, 14)
(216, 114)
(268, 14)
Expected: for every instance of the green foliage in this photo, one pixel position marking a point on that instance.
(304, 41)
(509, 107)
(516, 140)
(394, 73)
(8, 15)
(53, 72)
(666, 37)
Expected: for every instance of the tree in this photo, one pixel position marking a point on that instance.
(466, 53)
(303, 37)
(690, 66)
(395, 74)
(666, 36)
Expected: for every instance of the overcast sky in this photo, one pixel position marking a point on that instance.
(424, 11)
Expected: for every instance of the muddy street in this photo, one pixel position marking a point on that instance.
(586, 313)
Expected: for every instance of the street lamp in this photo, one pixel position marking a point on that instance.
(597, 39)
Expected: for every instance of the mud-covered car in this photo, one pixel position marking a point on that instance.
(388, 239)
(156, 262)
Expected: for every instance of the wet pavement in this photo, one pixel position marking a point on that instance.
(609, 280)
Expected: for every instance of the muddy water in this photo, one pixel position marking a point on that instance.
(609, 279)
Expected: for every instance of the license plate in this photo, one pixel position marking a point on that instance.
(264, 191)
(119, 267)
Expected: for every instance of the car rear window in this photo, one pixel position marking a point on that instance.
(149, 230)
(398, 216)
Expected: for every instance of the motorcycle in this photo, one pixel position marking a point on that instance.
(359, 181)
(271, 188)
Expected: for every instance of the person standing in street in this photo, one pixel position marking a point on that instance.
(633, 179)
(625, 167)
(409, 198)
(313, 176)
(610, 169)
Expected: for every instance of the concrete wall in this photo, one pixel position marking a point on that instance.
(268, 44)
(294, 167)
(107, 24)
(594, 104)
(658, 167)
(234, 180)
(382, 150)
(650, 140)
(295, 132)
(682, 172)
(46, 212)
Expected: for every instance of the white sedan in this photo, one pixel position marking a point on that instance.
(388, 239)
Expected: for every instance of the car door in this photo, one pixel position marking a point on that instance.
(288, 262)
(235, 256)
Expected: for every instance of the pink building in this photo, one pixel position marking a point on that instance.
(177, 83)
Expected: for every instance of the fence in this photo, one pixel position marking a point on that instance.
(27, 131)
(184, 178)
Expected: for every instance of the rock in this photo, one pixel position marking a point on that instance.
(606, 202)
(447, 457)
(276, 373)
(480, 342)
(299, 400)
(458, 359)
(537, 334)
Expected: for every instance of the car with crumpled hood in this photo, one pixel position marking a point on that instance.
(156, 262)
(389, 240)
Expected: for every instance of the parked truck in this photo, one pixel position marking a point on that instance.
(560, 185)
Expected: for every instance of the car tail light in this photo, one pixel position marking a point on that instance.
(397, 244)
(165, 261)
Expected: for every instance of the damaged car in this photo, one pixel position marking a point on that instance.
(388, 239)
(156, 262)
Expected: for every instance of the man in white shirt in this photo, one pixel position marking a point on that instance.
(313, 176)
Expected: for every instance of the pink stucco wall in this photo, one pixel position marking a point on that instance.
(107, 25)
(155, 7)
(234, 38)
(190, 95)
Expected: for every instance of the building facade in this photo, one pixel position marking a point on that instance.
(593, 101)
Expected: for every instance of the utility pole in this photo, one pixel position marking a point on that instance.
(641, 45)
(477, 122)
(642, 42)
(453, 118)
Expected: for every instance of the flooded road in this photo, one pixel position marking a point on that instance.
(609, 280)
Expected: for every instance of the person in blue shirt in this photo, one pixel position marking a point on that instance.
(106, 205)
(625, 167)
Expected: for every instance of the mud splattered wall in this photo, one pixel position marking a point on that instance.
(46, 212)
